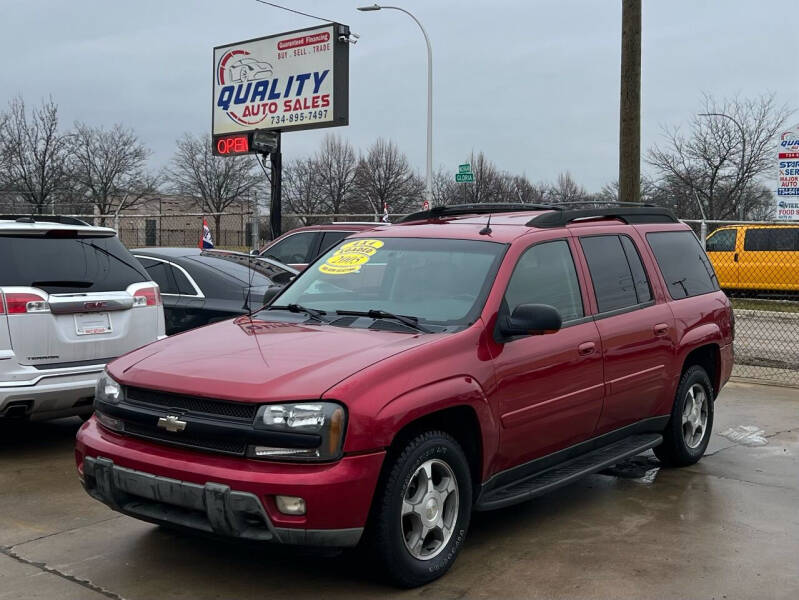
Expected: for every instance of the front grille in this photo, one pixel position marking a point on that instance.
(181, 439)
(166, 400)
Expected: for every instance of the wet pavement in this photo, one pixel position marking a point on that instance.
(723, 529)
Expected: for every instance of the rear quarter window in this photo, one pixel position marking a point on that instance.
(684, 265)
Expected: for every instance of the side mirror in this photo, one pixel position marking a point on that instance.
(531, 319)
(254, 252)
(271, 292)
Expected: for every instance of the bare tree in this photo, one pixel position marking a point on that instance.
(336, 165)
(566, 190)
(216, 182)
(109, 167)
(722, 155)
(384, 177)
(303, 191)
(34, 154)
(520, 189)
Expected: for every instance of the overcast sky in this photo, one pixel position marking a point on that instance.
(532, 83)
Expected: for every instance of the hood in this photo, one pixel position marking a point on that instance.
(259, 361)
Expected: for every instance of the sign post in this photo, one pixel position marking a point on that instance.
(787, 207)
(267, 86)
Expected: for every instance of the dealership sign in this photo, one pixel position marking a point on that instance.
(295, 80)
(788, 175)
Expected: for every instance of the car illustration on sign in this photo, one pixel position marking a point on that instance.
(249, 69)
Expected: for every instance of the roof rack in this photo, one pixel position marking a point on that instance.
(45, 219)
(453, 210)
(625, 211)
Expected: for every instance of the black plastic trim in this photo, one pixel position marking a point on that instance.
(627, 214)
(454, 210)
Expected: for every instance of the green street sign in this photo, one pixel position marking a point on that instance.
(464, 177)
(465, 168)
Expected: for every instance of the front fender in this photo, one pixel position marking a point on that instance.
(456, 391)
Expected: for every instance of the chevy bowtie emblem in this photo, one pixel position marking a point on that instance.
(171, 423)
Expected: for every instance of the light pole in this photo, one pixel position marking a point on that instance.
(429, 174)
(743, 151)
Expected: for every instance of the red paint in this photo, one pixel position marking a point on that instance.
(531, 396)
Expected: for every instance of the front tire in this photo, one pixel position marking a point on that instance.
(688, 432)
(422, 510)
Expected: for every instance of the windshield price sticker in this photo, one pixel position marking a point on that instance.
(350, 257)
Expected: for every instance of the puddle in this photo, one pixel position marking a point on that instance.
(642, 469)
(745, 435)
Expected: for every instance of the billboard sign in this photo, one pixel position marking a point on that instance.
(787, 208)
(291, 81)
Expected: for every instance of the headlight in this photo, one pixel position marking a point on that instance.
(108, 390)
(319, 427)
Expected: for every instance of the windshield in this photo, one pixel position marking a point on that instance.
(437, 281)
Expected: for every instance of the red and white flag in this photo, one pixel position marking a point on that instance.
(385, 212)
(206, 241)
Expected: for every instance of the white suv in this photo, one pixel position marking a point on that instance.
(71, 299)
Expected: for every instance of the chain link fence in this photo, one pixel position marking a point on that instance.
(757, 264)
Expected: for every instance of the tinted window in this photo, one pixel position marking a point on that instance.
(771, 239)
(331, 238)
(612, 278)
(292, 250)
(684, 264)
(68, 265)
(545, 274)
(161, 273)
(642, 289)
(184, 285)
(722, 240)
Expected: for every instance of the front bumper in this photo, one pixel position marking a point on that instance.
(52, 396)
(228, 496)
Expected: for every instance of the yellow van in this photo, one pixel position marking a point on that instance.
(756, 257)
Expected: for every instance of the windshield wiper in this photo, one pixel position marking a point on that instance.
(296, 308)
(412, 322)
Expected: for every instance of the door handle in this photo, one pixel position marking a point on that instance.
(735, 257)
(586, 348)
(661, 329)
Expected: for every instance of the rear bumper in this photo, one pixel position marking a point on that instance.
(228, 496)
(52, 396)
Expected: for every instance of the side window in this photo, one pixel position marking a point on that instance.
(685, 266)
(642, 287)
(612, 277)
(293, 249)
(161, 273)
(184, 286)
(771, 239)
(330, 238)
(545, 274)
(722, 240)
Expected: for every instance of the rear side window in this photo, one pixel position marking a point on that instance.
(331, 238)
(722, 240)
(294, 249)
(684, 264)
(162, 274)
(617, 274)
(774, 239)
(68, 265)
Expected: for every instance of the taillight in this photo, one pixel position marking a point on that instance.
(22, 303)
(148, 296)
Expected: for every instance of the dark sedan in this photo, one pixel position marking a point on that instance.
(203, 286)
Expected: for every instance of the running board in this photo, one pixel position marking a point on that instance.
(567, 472)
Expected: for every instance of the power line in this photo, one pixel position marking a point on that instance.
(295, 11)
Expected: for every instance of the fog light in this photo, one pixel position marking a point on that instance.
(290, 505)
(109, 422)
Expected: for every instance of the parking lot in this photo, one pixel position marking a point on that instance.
(725, 528)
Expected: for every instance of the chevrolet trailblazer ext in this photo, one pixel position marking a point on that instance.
(467, 359)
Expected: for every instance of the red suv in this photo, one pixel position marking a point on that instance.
(468, 359)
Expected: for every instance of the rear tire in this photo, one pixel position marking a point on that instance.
(421, 510)
(688, 432)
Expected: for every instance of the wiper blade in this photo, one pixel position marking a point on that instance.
(62, 283)
(412, 322)
(296, 308)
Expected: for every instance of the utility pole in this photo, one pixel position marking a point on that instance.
(630, 103)
(276, 162)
